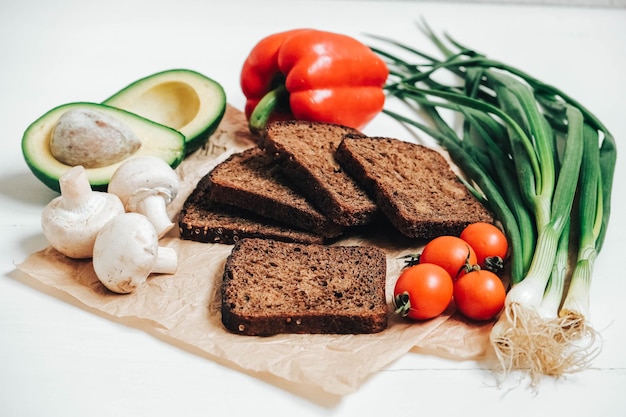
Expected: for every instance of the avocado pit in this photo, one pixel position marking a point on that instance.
(92, 139)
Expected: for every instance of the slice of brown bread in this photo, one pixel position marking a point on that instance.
(272, 287)
(251, 180)
(304, 150)
(203, 220)
(413, 185)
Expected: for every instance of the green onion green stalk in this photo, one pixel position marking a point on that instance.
(543, 164)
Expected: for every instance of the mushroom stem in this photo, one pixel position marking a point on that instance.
(155, 209)
(75, 188)
(166, 261)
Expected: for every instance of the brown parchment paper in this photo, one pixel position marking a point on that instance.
(185, 306)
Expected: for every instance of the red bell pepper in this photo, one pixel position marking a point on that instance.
(313, 75)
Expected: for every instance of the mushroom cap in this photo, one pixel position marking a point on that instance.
(142, 176)
(72, 220)
(125, 252)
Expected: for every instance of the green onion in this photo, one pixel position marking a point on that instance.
(553, 294)
(527, 150)
(533, 303)
(576, 304)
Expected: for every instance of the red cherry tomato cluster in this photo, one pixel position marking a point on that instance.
(461, 268)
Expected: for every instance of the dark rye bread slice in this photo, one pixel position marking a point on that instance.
(272, 287)
(203, 220)
(304, 150)
(413, 185)
(251, 180)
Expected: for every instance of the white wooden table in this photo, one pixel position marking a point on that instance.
(59, 359)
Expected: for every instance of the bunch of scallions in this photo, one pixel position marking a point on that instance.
(543, 164)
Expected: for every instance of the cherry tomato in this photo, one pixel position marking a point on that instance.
(479, 295)
(488, 242)
(423, 291)
(451, 253)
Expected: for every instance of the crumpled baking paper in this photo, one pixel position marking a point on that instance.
(185, 307)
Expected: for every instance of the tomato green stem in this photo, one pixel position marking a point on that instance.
(402, 304)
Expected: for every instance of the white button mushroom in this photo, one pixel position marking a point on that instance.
(146, 185)
(72, 220)
(127, 251)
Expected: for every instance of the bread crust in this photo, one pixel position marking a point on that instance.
(272, 287)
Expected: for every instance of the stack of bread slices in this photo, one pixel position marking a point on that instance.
(303, 186)
(310, 182)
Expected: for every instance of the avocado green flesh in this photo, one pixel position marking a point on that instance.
(157, 140)
(182, 99)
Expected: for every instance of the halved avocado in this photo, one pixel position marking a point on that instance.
(179, 98)
(158, 140)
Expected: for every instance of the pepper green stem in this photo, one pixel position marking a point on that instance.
(265, 107)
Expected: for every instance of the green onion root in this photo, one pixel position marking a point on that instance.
(527, 341)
